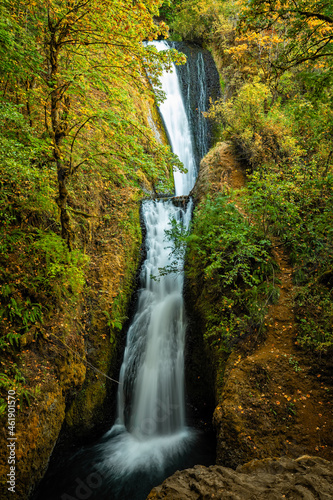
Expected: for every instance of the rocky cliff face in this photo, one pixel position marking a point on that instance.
(305, 478)
(78, 350)
(200, 84)
(71, 361)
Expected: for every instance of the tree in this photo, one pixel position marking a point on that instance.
(82, 48)
(306, 27)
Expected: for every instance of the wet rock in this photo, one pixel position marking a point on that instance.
(200, 84)
(274, 479)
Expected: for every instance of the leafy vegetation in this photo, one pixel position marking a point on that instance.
(230, 261)
(306, 25)
(13, 378)
(275, 62)
(87, 56)
(76, 151)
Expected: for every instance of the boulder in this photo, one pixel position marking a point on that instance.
(305, 478)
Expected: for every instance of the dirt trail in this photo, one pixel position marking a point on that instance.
(276, 399)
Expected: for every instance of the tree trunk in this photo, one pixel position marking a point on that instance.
(66, 231)
(59, 114)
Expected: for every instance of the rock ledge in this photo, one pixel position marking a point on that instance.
(305, 478)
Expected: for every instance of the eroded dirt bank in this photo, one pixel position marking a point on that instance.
(276, 399)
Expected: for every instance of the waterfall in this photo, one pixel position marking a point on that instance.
(178, 128)
(150, 438)
(152, 373)
(150, 429)
(199, 82)
(151, 404)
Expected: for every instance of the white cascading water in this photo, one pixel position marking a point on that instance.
(176, 122)
(150, 425)
(152, 373)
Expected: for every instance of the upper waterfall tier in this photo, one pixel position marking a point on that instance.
(176, 122)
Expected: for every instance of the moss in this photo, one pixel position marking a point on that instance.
(81, 413)
(81, 325)
(116, 279)
(36, 436)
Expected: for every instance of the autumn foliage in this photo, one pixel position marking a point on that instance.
(77, 151)
(275, 62)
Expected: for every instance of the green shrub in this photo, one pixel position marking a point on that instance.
(64, 270)
(231, 267)
(314, 315)
(259, 130)
(296, 204)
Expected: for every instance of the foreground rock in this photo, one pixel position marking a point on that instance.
(269, 479)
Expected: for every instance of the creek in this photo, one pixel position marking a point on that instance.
(150, 438)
